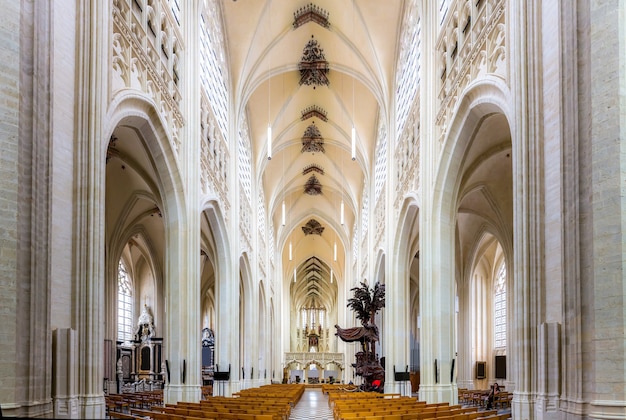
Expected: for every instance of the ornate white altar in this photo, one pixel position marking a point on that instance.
(323, 361)
(141, 358)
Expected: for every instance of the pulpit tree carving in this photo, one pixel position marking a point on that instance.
(366, 303)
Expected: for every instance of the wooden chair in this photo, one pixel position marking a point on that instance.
(502, 400)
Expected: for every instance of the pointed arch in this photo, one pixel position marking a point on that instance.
(133, 109)
(480, 99)
(159, 193)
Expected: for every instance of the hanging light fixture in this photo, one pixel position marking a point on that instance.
(294, 275)
(269, 141)
(283, 216)
(331, 275)
(290, 252)
(269, 120)
(353, 138)
(341, 215)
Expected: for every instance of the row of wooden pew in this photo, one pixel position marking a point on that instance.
(375, 406)
(270, 402)
(327, 388)
(478, 397)
(292, 392)
(122, 403)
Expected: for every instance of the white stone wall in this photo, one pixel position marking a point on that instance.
(9, 141)
(606, 323)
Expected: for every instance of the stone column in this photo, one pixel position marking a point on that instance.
(25, 220)
(65, 345)
(227, 300)
(395, 335)
(436, 271)
(463, 365)
(250, 331)
(89, 204)
(523, 32)
(227, 283)
(604, 352)
(182, 341)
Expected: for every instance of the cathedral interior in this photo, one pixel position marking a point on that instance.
(194, 190)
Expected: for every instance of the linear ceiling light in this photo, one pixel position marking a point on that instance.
(341, 214)
(353, 143)
(269, 141)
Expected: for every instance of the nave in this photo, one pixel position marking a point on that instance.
(238, 167)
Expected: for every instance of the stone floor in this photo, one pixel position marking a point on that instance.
(312, 406)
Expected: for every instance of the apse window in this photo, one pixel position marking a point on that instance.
(124, 304)
(499, 299)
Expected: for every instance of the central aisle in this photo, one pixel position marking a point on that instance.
(312, 406)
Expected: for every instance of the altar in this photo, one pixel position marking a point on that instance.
(141, 358)
(313, 368)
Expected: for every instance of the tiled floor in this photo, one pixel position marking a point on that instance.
(312, 406)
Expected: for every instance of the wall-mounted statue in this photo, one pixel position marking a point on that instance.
(208, 338)
(366, 303)
(145, 325)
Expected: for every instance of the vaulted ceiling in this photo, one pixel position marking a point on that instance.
(352, 45)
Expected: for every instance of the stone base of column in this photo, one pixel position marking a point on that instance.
(439, 393)
(92, 407)
(607, 409)
(574, 409)
(547, 407)
(402, 388)
(11, 410)
(232, 387)
(30, 410)
(66, 408)
(247, 383)
(522, 407)
(188, 393)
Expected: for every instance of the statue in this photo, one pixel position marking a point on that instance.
(208, 339)
(366, 303)
(145, 326)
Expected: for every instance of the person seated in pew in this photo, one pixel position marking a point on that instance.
(495, 390)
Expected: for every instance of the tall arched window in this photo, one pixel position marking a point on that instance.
(499, 316)
(124, 304)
